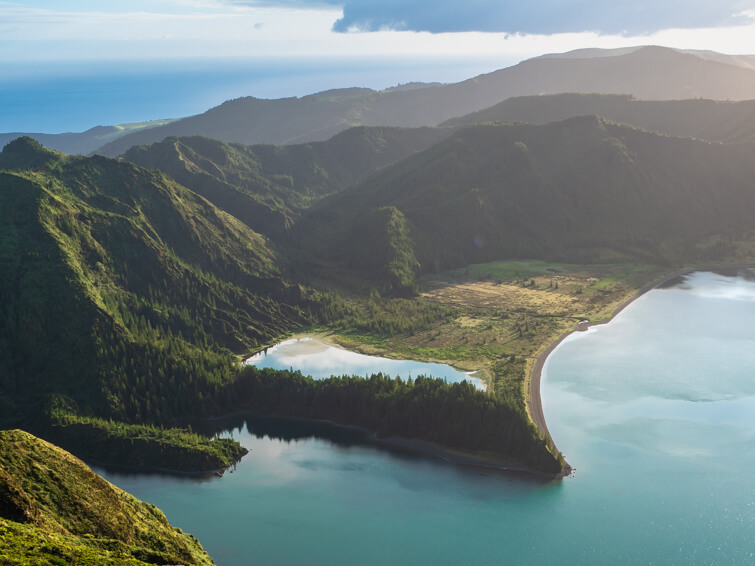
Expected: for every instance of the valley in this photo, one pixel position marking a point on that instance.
(473, 224)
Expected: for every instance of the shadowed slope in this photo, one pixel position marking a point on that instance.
(580, 190)
(704, 119)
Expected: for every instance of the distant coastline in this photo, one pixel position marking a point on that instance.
(534, 400)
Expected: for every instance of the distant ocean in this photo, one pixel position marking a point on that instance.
(73, 97)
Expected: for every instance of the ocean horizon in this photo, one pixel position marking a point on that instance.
(74, 97)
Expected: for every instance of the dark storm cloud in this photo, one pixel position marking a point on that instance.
(541, 17)
(533, 16)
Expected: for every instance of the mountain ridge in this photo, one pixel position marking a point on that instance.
(318, 116)
(648, 72)
(580, 190)
(267, 187)
(711, 120)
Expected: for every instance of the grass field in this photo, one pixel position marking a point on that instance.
(506, 313)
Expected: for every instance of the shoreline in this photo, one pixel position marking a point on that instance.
(414, 446)
(534, 399)
(125, 469)
(331, 339)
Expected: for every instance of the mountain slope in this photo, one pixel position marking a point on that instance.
(55, 510)
(150, 289)
(579, 190)
(649, 73)
(124, 293)
(267, 187)
(698, 118)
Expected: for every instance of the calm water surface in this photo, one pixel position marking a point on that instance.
(656, 411)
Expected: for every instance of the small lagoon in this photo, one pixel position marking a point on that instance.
(321, 360)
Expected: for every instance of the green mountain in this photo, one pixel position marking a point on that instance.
(709, 120)
(580, 190)
(125, 296)
(267, 187)
(647, 72)
(55, 510)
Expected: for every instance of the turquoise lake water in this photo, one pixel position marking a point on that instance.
(656, 411)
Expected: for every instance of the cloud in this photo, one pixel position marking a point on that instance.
(623, 17)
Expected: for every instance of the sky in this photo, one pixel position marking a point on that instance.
(70, 65)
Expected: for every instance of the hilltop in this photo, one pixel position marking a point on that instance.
(83, 142)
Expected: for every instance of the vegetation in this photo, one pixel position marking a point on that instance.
(130, 297)
(578, 191)
(127, 294)
(145, 447)
(267, 187)
(55, 510)
(496, 318)
(711, 120)
(455, 415)
(383, 317)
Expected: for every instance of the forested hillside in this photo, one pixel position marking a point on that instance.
(711, 120)
(454, 415)
(128, 297)
(124, 295)
(581, 190)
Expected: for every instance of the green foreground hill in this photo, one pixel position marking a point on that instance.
(55, 510)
